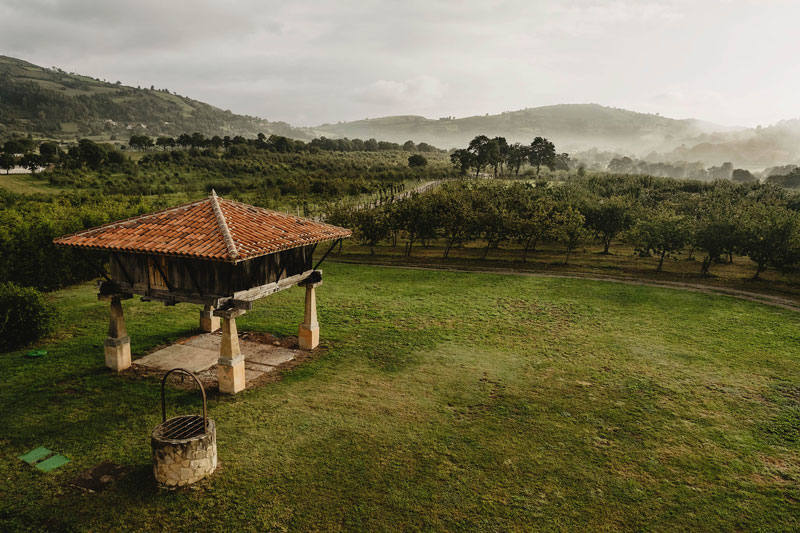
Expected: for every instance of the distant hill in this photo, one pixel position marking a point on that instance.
(778, 144)
(54, 103)
(570, 126)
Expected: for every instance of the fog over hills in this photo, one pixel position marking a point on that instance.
(53, 103)
(570, 126)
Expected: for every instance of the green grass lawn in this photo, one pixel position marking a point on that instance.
(442, 401)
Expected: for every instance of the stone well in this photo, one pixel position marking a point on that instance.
(179, 462)
(184, 447)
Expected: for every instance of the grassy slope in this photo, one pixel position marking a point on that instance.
(445, 400)
(56, 111)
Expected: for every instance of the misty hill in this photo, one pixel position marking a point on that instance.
(54, 103)
(778, 144)
(570, 126)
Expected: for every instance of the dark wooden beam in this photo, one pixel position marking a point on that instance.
(154, 261)
(122, 268)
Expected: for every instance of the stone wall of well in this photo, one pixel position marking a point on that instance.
(184, 461)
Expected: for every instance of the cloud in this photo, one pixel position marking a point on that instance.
(420, 91)
(324, 61)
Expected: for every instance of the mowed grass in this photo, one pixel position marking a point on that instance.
(441, 401)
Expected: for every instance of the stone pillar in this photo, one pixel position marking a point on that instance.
(118, 344)
(208, 322)
(230, 367)
(308, 333)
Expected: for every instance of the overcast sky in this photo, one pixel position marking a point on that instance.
(733, 62)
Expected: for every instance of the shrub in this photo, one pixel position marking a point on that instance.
(417, 160)
(25, 316)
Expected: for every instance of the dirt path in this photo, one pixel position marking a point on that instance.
(767, 299)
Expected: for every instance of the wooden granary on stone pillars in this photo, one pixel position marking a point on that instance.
(218, 253)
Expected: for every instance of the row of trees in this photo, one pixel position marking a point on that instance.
(500, 156)
(274, 143)
(661, 218)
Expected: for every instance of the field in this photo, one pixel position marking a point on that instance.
(440, 400)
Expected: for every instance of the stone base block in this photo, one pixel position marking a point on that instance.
(308, 337)
(208, 322)
(231, 376)
(118, 353)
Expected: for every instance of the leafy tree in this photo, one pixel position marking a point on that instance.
(371, 227)
(140, 142)
(481, 148)
(49, 152)
(517, 154)
(741, 175)
(453, 211)
(463, 160)
(662, 233)
(90, 153)
(417, 160)
(31, 161)
(7, 161)
(534, 220)
(409, 146)
(608, 218)
(771, 236)
(569, 229)
(165, 142)
(542, 152)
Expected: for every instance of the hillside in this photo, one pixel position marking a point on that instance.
(571, 126)
(54, 103)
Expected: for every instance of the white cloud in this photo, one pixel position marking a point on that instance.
(324, 61)
(420, 91)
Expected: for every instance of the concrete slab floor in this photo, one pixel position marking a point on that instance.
(200, 353)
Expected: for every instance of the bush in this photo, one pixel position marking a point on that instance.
(25, 316)
(417, 160)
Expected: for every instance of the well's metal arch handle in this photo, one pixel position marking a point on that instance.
(199, 384)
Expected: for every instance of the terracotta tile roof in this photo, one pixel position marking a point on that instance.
(213, 228)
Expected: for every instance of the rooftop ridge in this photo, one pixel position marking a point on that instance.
(223, 226)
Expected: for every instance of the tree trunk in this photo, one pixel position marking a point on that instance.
(566, 259)
(447, 248)
(704, 267)
(606, 244)
(759, 269)
(661, 261)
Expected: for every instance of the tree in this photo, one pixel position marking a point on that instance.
(533, 220)
(453, 211)
(542, 152)
(165, 142)
(140, 142)
(741, 175)
(462, 159)
(49, 152)
(569, 229)
(7, 161)
(497, 154)
(31, 161)
(371, 227)
(516, 156)
(417, 160)
(771, 236)
(409, 146)
(717, 234)
(663, 233)
(90, 153)
(480, 149)
(608, 218)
